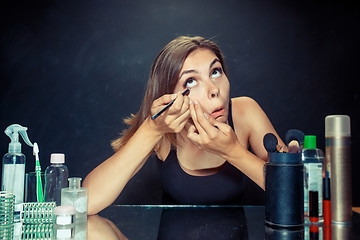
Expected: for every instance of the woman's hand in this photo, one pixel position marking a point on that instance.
(173, 119)
(211, 135)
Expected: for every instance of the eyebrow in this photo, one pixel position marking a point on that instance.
(194, 71)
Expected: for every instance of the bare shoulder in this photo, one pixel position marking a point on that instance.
(243, 111)
(244, 107)
(251, 119)
(248, 114)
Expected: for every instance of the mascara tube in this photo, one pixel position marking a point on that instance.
(338, 153)
(314, 206)
(326, 200)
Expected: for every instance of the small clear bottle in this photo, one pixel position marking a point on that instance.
(56, 178)
(64, 227)
(312, 159)
(76, 196)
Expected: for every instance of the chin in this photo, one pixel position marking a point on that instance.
(223, 119)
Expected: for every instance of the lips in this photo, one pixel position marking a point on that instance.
(218, 112)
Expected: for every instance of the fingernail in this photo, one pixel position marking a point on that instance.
(190, 101)
(196, 102)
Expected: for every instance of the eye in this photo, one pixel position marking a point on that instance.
(190, 82)
(216, 72)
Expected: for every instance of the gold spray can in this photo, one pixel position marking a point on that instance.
(338, 164)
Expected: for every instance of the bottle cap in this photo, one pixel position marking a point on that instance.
(309, 142)
(74, 182)
(14, 147)
(13, 132)
(57, 158)
(337, 126)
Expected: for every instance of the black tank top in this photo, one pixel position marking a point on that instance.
(223, 187)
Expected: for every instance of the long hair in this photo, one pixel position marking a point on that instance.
(164, 75)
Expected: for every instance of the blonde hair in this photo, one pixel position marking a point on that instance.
(163, 77)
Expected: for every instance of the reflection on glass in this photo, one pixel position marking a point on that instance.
(102, 228)
(283, 234)
(339, 231)
(311, 232)
(203, 223)
(314, 231)
(180, 223)
(43, 231)
(81, 231)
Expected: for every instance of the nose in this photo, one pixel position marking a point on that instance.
(213, 89)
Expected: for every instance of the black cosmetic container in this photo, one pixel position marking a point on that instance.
(284, 191)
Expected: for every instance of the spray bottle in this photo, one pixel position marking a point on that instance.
(13, 171)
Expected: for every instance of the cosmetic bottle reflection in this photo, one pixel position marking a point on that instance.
(340, 231)
(283, 234)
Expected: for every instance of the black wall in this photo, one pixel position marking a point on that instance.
(72, 70)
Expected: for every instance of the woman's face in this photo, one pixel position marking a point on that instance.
(203, 74)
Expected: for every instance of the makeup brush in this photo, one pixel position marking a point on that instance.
(186, 92)
(294, 135)
(271, 143)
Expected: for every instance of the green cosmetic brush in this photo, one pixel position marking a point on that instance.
(39, 188)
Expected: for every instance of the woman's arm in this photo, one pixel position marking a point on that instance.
(106, 181)
(249, 115)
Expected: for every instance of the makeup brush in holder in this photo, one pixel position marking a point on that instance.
(284, 191)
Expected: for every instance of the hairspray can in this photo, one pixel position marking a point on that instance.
(338, 157)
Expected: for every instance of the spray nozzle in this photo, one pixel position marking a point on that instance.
(13, 132)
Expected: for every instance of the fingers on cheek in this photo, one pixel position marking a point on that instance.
(192, 108)
(186, 101)
(185, 106)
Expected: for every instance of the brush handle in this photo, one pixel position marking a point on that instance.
(186, 92)
(162, 110)
(39, 188)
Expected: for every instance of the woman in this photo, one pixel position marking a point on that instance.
(202, 140)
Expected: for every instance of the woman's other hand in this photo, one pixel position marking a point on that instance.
(209, 134)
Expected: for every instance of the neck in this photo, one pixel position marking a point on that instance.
(191, 157)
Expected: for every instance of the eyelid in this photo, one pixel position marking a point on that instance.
(186, 81)
(219, 69)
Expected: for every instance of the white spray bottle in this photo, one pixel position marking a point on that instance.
(13, 169)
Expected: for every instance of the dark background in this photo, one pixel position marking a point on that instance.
(72, 70)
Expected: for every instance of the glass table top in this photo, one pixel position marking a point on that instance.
(203, 222)
(182, 222)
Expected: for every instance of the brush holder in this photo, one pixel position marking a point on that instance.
(284, 192)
